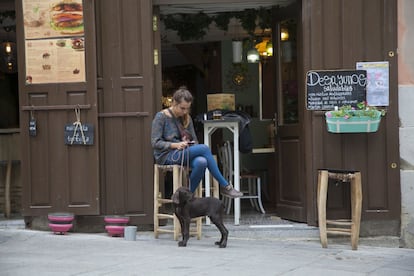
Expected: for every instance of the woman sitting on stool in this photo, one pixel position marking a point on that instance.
(173, 140)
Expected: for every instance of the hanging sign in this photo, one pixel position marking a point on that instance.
(378, 82)
(327, 89)
(79, 134)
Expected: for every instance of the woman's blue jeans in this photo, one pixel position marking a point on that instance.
(200, 158)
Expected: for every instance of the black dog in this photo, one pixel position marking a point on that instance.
(186, 207)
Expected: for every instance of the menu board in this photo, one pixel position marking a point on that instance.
(54, 41)
(327, 89)
(54, 60)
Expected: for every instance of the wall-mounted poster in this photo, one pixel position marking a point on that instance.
(55, 60)
(377, 82)
(54, 41)
(51, 18)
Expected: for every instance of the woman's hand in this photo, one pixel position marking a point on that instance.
(179, 145)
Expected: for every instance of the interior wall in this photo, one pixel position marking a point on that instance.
(9, 101)
(249, 96)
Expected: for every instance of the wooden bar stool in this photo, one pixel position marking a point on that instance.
(7, 184)
(160, 170)
(348, 227)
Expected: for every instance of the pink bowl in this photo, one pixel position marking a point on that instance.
(116, 220)
(60, 217)
(60, 228)
(115, 230)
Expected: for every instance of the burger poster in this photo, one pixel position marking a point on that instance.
(54, 34)
(44, 19)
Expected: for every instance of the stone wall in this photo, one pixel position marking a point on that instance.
(406, 115)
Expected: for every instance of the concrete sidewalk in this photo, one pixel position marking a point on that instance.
(285, 250)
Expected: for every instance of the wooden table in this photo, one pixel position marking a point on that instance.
(210, 126)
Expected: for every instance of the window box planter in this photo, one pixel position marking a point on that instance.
(354, 124)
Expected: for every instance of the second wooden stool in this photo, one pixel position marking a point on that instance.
(349, 227)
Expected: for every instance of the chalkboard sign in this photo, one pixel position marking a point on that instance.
(73, 134)
(327, 89)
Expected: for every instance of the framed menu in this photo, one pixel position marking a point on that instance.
(54, 41)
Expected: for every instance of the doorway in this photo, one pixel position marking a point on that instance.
(290, 165)
(206, 66)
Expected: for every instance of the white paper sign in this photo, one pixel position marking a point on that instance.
(377, 82)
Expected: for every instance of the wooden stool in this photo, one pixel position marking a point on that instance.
(7, 185)
(159, 200)
(343, 226)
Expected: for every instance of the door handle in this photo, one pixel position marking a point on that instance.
(275, 124)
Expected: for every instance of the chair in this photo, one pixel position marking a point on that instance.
(252, 191)
(348, 227)
(159, 200)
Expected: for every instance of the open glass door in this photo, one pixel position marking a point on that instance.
(290, 187)
(288, 98)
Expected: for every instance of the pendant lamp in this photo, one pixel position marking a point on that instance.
(237, 51)
(253, 56)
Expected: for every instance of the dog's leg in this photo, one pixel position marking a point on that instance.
(224, 234)
(185, 232)
(218, 221)
(181, 220)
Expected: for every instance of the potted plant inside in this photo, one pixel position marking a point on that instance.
(348, 119)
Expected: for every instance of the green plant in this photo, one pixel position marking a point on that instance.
(222, 20)
(188, 26)
(7, 20)
(248, 20)
(195, 26)
(361, 110)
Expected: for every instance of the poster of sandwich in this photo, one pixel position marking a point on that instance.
(48, 18)
(54, 41)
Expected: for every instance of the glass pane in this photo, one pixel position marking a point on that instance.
(288, 64)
